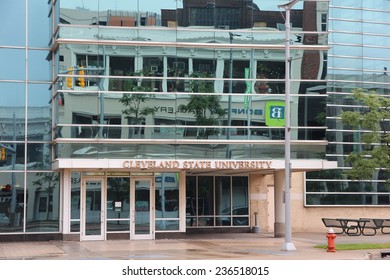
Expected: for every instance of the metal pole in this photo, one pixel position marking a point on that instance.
(13, 176)
(229, 120)
(251, 76)
(288, 245)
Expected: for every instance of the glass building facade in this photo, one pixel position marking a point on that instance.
(30, 190)
(146, 118)
(177, 72)
(359, 37)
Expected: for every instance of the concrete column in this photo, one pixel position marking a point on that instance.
(182, 201)
(279, 225)
(66, 201)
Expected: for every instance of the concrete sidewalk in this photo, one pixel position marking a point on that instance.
(244, 246)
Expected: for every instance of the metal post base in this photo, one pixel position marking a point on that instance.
(288, 247)
(255, 229)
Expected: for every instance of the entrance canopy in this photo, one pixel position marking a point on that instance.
(193, 166)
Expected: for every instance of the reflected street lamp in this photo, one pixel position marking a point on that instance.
(229, 120)
(288, 245)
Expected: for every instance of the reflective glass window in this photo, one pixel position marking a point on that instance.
(39, 156)
(13, 16)
(12, 97)
(167, 201)
(227, 196)
(39, 68)
(39, 24)
(39, 112)
(13, 62)
(43, 202)
(11, 202)
(118, 197)
(14, 156)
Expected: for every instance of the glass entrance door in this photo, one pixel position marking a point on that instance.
(92, 209)
(142, 208)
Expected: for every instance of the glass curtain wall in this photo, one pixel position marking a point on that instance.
(217, 201)
(358, 58)
(29, 191)
(199, 72)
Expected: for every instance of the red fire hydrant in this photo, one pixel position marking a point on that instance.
(331, 237)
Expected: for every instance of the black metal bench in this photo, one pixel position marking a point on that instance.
(341, 224)
(383, 224)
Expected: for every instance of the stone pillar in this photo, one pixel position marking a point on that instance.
(279, 226)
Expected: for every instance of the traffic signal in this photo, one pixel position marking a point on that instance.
(3, 154)
(69, 80)
(81, 78)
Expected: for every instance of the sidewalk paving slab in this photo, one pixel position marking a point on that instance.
(243, 246)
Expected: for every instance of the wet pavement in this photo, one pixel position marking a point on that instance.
(243, 246)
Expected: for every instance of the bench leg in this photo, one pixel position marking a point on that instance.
(356, 231)
(383, 231)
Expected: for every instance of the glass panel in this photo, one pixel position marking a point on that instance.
(15, 21)
(167, 225)
(223, 201)
(138, 116)
(167, 195)
(11, 202)
(240, 200)
(240, 195)
(191, 201)
(324, 186)
(75, 196)
(173, 151)
(14, 156)
(39, 112)
(142, 207)
(12, 97)
(118, 225)
(16, 58)
(75, 226)
(205, 196)
(240, 221)
(206, 221)
(226, 213)
(347, 199)
(93, 207)
(42, 214)
(39, 24)
(118, 198)
(38, 156)
(39, 68)
(211, 13)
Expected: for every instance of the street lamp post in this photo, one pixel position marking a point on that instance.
(288, 245)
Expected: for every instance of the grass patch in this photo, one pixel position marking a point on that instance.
(356, 246)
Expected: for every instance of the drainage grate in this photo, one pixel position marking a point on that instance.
(385, 254)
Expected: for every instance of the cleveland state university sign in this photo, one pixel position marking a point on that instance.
(197, 164)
